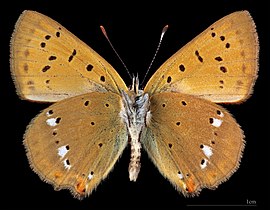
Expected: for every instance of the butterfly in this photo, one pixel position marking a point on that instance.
(75, 142)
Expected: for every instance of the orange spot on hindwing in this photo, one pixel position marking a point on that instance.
(81, 186)
(190, 185)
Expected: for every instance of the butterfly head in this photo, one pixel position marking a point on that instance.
(135, 86)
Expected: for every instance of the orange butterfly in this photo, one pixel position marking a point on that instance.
(75, 142)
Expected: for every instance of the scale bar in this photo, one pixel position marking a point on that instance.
(219, 205)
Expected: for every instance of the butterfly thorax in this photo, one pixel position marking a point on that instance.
(135, 114)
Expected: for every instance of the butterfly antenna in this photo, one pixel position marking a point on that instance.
(106, 36)
(159, 43)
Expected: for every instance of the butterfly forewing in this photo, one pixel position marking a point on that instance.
(193, 142)
(72, 144)
(220, 64)
(48, 63)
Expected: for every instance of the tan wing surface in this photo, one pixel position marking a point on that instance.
(49, 63)
(193, 149)
(72, 144)
(220, 64)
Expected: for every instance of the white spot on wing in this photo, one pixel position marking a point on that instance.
(184, 185)
(62, 151)
(216, 122)
(86, 187)
(51, 122)
(207, 151)
(180, 175)
(48, 114)
(66, 165)
(90, 176)
(204, 164)
(221, 114)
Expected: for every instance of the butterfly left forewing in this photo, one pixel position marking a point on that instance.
(72, 144)
(193, 149)
(49, 63)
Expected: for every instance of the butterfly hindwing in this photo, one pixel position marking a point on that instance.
(72, 144)
(192, 148)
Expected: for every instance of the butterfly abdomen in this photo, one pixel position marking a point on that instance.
(134, 113)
